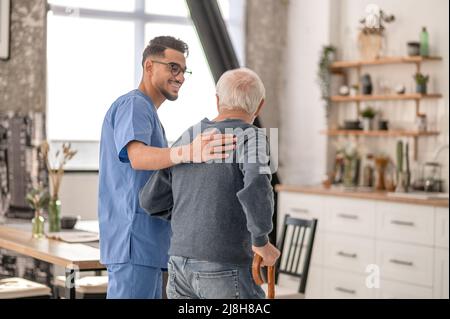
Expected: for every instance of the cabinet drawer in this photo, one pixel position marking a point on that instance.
(301, 206)
(343, 285)
(406, 263)
(351, 216)
(405, 223)
(441, 266)
(441, 227)
(395, 290)
(347, 253)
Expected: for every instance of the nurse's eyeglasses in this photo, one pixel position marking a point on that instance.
(175, 68)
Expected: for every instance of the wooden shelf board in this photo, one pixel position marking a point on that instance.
(391, 97)
(380, 61)
(390, 133)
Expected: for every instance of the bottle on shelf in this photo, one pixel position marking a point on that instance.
(368, 172)
(424, 42)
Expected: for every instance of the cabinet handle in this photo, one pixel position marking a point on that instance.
(401, 262)
(345, 290)
(402, 223)
(348, 255)
(300, 210)
(348, 216)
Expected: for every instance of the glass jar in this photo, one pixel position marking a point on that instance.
(421, 122)
(37, 223)
(432, 172)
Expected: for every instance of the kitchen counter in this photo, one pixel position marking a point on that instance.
(362, 193)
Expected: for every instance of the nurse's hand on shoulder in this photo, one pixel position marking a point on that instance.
(205, 147)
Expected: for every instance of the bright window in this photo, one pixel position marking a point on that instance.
(94, 50)
(167, 7)
(107, 5)
(90, 63)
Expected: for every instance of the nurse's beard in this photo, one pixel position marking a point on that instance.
(169, 96)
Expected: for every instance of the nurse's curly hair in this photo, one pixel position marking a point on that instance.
(158, 45)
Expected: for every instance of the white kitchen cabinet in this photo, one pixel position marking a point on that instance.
(396, 290)
(441, 270)
(441, 227)
(301, 206)
(355, 217)
(405, 263)
(304, 207)
(314, 284)
(407, 243)
(405, 223)
(345, 285)
(345, 253)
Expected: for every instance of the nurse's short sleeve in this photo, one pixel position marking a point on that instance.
(133, 121)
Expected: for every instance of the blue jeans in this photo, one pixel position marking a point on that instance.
(193, 279)
(131, 281)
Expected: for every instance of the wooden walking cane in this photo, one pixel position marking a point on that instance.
(256, 273)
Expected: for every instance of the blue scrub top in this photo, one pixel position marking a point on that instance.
(127, 232)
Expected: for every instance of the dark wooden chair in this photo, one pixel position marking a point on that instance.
(296, 246)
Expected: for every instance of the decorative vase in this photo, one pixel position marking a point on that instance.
(367, 86)
(370, 45)
(54, 215)
(37, 223)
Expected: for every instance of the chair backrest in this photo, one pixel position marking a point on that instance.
(296, 245)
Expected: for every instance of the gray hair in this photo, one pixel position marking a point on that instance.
(240, 88)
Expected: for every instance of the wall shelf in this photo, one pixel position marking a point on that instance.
(338, 65)
(391, 97)
(389, 133)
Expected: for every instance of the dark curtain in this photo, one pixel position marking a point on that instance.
(220, 54)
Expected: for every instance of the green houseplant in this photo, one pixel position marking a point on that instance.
(38, 198)
(421, 82)
(327, 56)
(368, 114)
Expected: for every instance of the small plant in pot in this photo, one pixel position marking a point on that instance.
(421, 83)
(368, 115)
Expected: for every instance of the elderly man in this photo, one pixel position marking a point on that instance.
(221, 211)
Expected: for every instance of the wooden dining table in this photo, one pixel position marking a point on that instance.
(74, 257)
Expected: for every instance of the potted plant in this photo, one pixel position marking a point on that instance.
(38, 198)
(368, 114)
(327, 56)
(421, 82)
